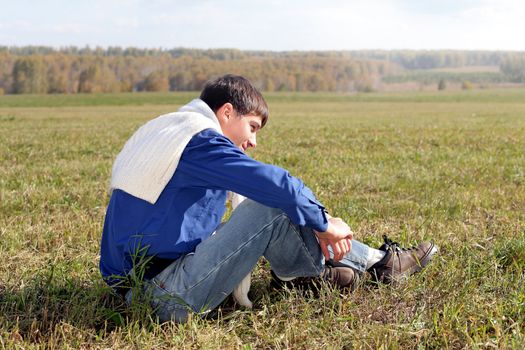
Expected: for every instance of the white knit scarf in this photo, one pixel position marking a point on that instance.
(150, 157)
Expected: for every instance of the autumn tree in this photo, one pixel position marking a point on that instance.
(442, 85)
(180, 81)
(514, 68)
(156, 81)
(98, 78)
(6, 71)
(29, 76)
(57, 74)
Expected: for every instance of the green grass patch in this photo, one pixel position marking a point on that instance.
(510, 253)
(180, 98)
(445, 166)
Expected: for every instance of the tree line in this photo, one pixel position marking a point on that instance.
(37, 69)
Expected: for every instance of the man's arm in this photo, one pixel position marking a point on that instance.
(212, 161)
(216, 163)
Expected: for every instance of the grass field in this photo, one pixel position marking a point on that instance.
(443, 166)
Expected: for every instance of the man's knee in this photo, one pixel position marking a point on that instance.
(256, 209)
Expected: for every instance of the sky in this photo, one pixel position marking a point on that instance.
(275, 25)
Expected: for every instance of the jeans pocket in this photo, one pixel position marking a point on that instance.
(168, 307)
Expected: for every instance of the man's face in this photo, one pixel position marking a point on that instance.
(242, 130)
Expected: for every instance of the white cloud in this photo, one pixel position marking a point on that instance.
(17, 25)
(270, 24)
(126, 23)
(493, 24)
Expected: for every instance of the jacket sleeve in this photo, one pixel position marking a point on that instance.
(213, 161)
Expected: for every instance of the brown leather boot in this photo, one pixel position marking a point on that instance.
(343, 278)
(400, 262)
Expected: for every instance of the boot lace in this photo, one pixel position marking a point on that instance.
(395, 246)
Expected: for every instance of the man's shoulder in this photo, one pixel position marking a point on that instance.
(209, 136)
(210, 144)
(209, 133)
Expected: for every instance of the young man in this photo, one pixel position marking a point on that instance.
(170, 183)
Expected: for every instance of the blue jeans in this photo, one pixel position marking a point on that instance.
(200, 281)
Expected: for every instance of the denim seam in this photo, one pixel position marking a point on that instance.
(304, 247)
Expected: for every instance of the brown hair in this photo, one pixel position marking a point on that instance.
(238, 91)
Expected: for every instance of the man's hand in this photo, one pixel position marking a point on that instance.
(338, 235)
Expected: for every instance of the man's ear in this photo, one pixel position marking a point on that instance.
(225, 112)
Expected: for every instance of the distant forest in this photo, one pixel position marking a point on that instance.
(40, 70)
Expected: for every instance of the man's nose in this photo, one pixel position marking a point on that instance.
(252, 141)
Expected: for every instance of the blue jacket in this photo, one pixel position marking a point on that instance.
(192, 205)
